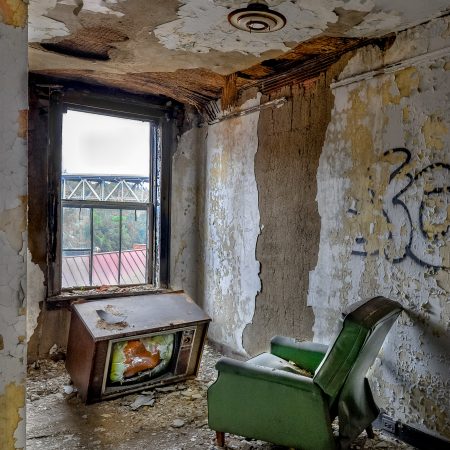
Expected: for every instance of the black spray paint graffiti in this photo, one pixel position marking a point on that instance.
(426, 233)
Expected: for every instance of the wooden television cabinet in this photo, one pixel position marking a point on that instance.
(167, 329)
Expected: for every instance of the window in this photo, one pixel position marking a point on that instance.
(105, 198)
(109, 178)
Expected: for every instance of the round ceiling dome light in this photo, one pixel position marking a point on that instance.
(257, 17)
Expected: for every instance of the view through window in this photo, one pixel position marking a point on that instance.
(105, 197)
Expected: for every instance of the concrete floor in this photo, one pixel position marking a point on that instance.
(177, 421)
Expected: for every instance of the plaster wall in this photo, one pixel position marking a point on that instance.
(185, 208)
(13, 192)
(229, 228)
(383, 192)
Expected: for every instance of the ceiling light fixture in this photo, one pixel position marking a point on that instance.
(257, 17)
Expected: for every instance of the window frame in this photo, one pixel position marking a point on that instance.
(161, 144)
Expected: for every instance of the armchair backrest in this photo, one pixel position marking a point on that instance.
(342, 373)
(365, 326)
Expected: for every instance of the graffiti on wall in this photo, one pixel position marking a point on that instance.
(416, 207)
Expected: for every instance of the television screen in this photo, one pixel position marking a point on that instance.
(140, 359)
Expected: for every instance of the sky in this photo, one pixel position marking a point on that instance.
(104, 145)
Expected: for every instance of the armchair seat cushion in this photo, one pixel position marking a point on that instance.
(274, 362)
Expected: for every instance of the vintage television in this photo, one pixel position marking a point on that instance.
(121, 345)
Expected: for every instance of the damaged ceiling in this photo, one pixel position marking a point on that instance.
(185, 50)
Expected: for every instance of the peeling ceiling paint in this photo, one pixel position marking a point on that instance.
(95, 6)
(195, 34)
(203, 26)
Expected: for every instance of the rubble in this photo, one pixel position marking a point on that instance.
(178, 423)
(142, 400)
(167, 418)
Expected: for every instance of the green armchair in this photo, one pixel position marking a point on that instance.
(268, 398)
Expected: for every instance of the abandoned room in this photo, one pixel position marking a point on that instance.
(224, 224)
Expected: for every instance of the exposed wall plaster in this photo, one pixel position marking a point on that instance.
(290, 142)
(13, 182)
(383, 196)
(230, 229)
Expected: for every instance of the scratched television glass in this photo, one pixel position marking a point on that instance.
(141, 359)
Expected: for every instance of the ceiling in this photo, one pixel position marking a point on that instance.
(133, 44)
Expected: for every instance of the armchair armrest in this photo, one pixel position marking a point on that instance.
(269, 404)
(307, 355)
(239, 368)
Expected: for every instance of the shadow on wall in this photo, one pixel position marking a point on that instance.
(437, 337)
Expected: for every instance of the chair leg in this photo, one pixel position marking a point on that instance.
(220, 438)
(369, 431)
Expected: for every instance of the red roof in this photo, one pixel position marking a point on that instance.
(105, 269)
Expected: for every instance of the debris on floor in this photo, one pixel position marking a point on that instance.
(167, 418)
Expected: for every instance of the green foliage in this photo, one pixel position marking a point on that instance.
(106, 224)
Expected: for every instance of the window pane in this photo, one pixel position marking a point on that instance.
(105, 267)
(104, 145)
(76, 246)
(133, 269)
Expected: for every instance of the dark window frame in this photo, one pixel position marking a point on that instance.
(159, 210)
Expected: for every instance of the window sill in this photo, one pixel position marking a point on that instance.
(67, 297)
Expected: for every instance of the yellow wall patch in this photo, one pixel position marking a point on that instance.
(14, 12)
(11, 401)
(407, 81)
(434, 129)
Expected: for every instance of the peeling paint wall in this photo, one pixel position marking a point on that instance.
(383, 192)
(243, 207)
(13, 191)
(229, 228)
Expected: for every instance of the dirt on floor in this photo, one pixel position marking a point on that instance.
(58, 420)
